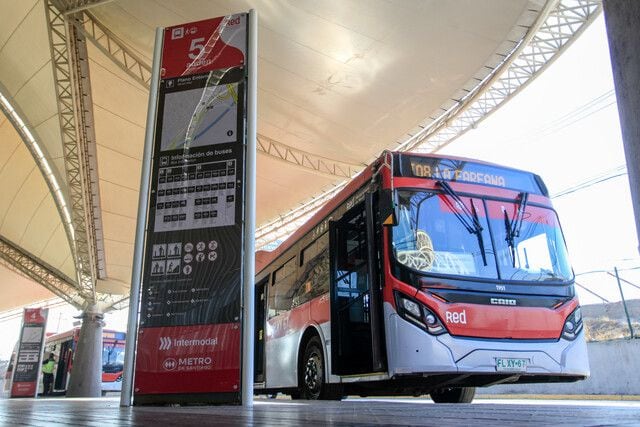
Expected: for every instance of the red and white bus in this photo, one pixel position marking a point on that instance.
(63, 346)
(425, 274)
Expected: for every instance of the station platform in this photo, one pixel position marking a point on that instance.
(350, 412)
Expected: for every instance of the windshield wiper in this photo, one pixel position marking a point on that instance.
(519, 219)
(478, 232)
(512, 228)
(468, 218)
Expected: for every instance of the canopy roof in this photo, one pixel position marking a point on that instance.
(339, 81)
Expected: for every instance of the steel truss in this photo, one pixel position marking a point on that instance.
(105, 301)
(554, 31)
(113, 48)
(290, 222)
(75, 112)
(29, 266)
(131, 63)
(73, 6)
(304, 159)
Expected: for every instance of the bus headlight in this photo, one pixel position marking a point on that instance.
(411, 308)
(419, 315)
(573, 325)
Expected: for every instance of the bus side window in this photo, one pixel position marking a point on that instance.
(271, 298)
(314, 274)
(281, 290)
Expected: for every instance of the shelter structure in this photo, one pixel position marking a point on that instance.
(339, 81)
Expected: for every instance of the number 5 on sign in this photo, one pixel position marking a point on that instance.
(196, 45)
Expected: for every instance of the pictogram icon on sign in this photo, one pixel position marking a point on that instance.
(165, 343)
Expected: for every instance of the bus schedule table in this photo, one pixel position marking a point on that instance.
(106, 411)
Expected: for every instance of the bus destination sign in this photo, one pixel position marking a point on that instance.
(468, 172)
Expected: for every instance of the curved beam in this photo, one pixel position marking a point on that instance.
(40, 156)
(556, 28)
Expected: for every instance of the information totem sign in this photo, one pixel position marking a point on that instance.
(189, 336)
(26, 370)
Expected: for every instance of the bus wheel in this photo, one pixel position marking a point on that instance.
(453, 395)
(312, 379)
(312, 370)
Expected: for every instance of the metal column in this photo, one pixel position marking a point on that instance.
(623, 30)
(136, 274)
(248, 272)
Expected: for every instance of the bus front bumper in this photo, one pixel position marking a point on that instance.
(112, 386)
(412, 350)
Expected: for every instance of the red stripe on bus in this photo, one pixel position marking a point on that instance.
(492, 321)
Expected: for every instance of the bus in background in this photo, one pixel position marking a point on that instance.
(63, 346)
(424, 275)
(8, 373)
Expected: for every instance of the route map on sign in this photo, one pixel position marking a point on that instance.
(199, 117)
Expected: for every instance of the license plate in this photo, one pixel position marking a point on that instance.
(511, 364)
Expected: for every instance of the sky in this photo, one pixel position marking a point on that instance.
(563, 126)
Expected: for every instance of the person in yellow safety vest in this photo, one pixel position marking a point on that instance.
(47, 374)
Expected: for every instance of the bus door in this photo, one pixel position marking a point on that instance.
(356, 333)
(260, 312)
(64, 360)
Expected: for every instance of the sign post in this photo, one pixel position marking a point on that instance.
(26, 372)
(248, 300)
(191, 263)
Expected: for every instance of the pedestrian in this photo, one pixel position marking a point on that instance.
(47, 374)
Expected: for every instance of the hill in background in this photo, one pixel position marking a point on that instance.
(607, 321)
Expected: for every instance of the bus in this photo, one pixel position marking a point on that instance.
(8, 373)
(63, 346)
(424, 275)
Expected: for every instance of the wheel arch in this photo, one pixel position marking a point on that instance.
(312, 330)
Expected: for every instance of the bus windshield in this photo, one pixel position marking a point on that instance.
(112, 358)
(446, 234)
(537, 251)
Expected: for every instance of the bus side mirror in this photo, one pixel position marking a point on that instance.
(387, 208)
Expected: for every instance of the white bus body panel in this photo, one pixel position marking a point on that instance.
(281, 355)
(112, 386)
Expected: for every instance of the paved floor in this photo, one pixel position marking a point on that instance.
(356, 412)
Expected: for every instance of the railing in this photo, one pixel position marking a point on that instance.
(610, 303)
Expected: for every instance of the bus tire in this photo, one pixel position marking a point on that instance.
(453, 395)
(312, 384)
